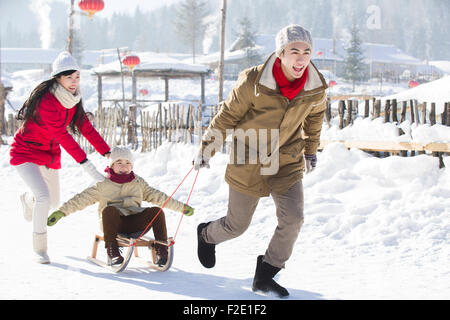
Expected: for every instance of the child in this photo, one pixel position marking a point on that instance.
(53, 107)
(119, 197)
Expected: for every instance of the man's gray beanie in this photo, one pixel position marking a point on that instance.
(292, 33)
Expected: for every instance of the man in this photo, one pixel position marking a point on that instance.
(280, 98)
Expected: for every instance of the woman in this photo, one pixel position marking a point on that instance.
(53, 108)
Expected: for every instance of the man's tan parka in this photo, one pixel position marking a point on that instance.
(257, 103)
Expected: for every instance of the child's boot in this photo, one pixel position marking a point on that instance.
(113, 251)
(162, 254)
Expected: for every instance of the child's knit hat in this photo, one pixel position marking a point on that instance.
(289, 34)
(121, 153)
(64, 62)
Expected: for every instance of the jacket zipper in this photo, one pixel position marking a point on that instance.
(67, 115)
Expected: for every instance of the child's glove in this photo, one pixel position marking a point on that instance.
(188, 211)
(54, 217)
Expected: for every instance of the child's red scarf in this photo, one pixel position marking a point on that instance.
(119, 178)
(288, 89)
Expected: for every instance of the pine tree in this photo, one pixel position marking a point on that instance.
(354, 65)
(190, 25)
(247, 41)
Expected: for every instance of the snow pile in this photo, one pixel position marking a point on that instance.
(374, 229)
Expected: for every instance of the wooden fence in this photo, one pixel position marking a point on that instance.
(178, 123)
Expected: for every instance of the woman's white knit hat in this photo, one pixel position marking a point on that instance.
(64, 62)
(292, 33)
(121, 153)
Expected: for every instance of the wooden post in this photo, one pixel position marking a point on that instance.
(432, 115)
(411, 110)
(403, 114)
(366, 108)
(424, 112)
(133, 87)
(200, 126)
(222, 49)
(416, 111)
(99, 93)
(203, 88)
(394, 110)
(327, 112)
(387, 111)
(170, 124)
(132, 134)
(447, 108)
(166, 88)
(349, 120)
(183, 129)
(377, 109)
(160, 124)
(341, 110)
(165, 123)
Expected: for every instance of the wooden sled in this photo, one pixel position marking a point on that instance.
(128, 241)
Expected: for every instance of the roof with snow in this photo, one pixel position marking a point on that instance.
(155, 64)
(29, 55)
(435, 91)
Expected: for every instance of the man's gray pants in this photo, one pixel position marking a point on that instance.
(289, 210)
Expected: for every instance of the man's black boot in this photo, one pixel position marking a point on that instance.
(263, 280)
(206, 251)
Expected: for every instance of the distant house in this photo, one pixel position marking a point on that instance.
(329, 54)
(17, 59)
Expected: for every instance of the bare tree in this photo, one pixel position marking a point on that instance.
(190, 25)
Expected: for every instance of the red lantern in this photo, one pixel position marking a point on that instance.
(413, 84)
(131, 61)
(143, 92)
(91, 6)
(319, 53)
(332, 83)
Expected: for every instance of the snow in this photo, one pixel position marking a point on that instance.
(154, 61)
(375, 228)
(435, 91)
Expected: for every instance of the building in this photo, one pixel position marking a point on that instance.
(329, 54)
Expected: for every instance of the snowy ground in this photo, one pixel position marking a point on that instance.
(374, 229)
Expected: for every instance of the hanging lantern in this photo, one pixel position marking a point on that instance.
(91, 6)
(413, 84)
(143, 92)
(332, 83)
(319, 53)
(131, 61)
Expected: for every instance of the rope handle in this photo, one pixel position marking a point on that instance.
(182, 214)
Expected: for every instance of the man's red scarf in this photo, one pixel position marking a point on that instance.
(119, 178)
(288, 89)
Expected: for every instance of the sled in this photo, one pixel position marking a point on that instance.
(128, 241)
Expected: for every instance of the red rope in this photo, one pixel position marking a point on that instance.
(192, 188)
(145, 230)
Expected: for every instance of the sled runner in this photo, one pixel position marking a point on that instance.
(128, 241)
